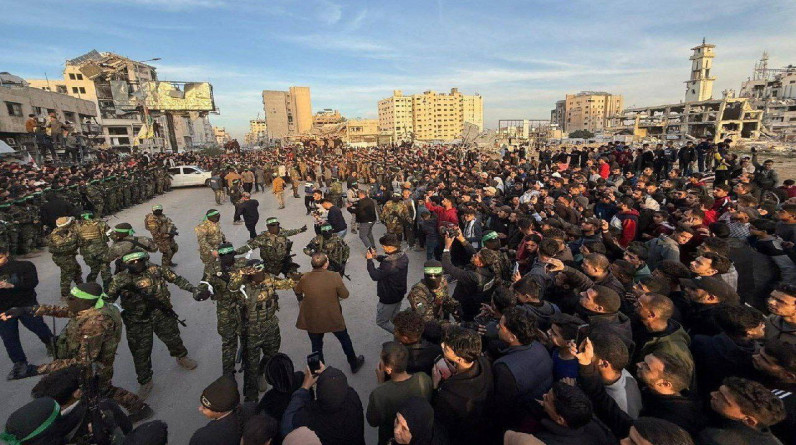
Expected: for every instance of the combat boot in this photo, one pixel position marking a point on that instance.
(187, 362)
(142, 414)
(144, 390)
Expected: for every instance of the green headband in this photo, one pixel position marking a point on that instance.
(488, 236)
(432, 270)
(270, 221)
(326, 228)
(209, 214)
(127, 231)
(226, 250)
(77, 293)
(134, 256)
(157, 207)
(259, 266)
(86, 215)
(12, 439)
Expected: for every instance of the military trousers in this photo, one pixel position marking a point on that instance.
(70, 271)
(168, 247)
(140, 339)
(263, 341)
(95, 260)
(228, 326)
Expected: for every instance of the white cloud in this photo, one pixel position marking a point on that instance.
(328, 12)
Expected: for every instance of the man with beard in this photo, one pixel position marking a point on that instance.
(146, 302)
(474, 285)
(429, 297)
(216, 282)
(776, 363)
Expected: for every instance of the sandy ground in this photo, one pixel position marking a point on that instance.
(175, 397)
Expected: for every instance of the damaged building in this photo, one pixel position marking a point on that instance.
(773, 91)
(698, 116)
(134, 108)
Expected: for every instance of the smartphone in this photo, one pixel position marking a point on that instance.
(583, 332)
(516, 268)
(314, 362)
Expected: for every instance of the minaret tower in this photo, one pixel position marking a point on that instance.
(700, 86)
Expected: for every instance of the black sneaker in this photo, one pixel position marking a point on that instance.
(142, 414)
(357, 365)
(16, 370)
(23, 370)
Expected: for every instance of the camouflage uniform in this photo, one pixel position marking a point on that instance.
(227, 310)
(126, 245)
(336, 193)
(24, 217)
(162, 230)
(63, 243)
(8, 230)
(95, 198)
(209, 236)
(335, 249)
(394, 215)
(93, 242)
(432, 305)
(91, 336)
(260, 325)
(274, 250)
(295, 178)
(142, 319)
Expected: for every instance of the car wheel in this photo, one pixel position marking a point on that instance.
(207, 183)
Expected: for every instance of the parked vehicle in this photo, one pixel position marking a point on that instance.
(188, 176)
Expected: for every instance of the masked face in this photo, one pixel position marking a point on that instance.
(136, 266)
(227, 260)
(157, 212)
(214, 218)
(326, 235)
(432, 281)
(273, 229)
(77, 305)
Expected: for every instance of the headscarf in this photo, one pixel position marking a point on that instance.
(284, 381)
(336, 414)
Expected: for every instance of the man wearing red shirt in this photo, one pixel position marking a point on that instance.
(446, 213)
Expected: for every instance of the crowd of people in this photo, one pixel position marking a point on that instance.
(569, 296)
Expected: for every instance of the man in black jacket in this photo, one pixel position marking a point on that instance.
(18, 281)
(390, 277)
(463, 387)
(474, 286)
(364, 211)
(219, 403)
(247, 208)
(570, 418)
(409, 327)
(334, 216)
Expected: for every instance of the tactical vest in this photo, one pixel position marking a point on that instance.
(67, 344)
(89, 230)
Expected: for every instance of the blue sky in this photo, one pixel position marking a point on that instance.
(520, 55)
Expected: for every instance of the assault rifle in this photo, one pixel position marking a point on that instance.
(99, 431)
(154, 303)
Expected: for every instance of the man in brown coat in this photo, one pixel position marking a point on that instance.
(319, 293)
